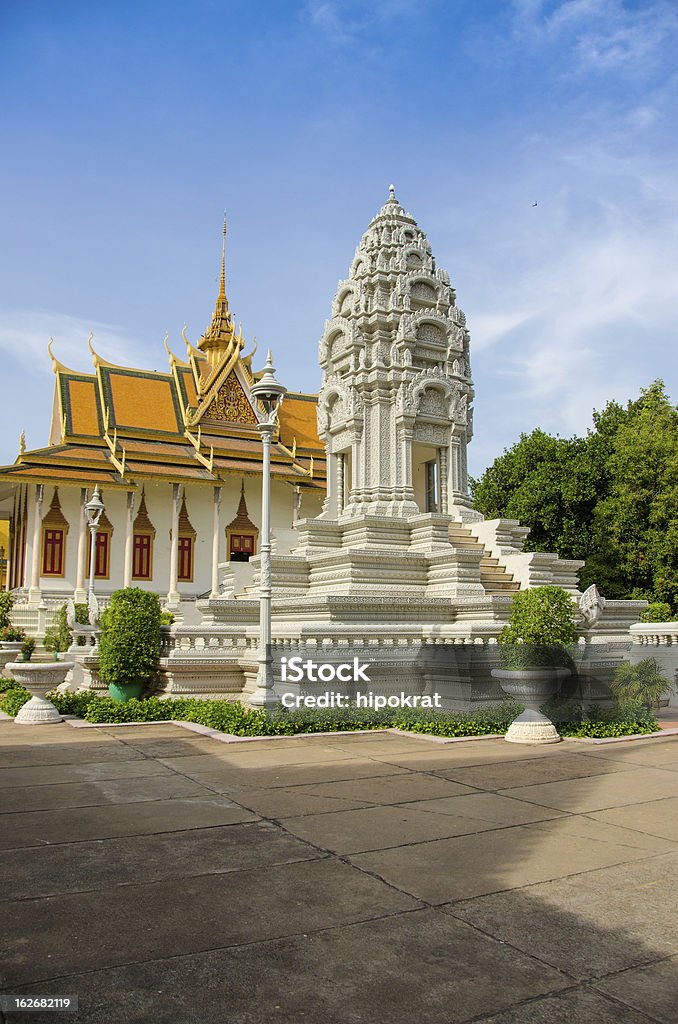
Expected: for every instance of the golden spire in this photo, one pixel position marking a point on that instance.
(222, 288)
(220, 339)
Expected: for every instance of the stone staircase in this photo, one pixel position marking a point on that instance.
(493, 576)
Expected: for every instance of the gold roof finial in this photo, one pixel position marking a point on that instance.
(222, 285)
(22, 442)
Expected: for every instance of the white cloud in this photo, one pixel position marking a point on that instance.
(24, 335)
(600, 35)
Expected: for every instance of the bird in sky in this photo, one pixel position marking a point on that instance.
(535, 204)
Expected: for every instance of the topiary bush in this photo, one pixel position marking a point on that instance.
(129, 646)
(6, 605)
(541, 624)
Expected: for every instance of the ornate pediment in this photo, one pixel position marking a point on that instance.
(230, 404)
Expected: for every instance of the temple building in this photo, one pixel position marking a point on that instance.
(177, 459)
(375, 541)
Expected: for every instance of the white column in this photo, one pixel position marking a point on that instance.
(80, 594)
(173, 593)
(129, 528)
(340, 483)
(34, 593)
(444, 482)
(216, 530)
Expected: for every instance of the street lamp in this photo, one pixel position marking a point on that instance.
(269, 393)
(93, 510)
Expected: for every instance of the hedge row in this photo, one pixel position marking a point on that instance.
(233, 718)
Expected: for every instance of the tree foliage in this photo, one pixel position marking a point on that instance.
(129, 646)
(610, 498)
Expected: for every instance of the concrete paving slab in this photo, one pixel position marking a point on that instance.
(102, 864)
(184, 744)
(94, 794)
(576, 1006)
(599, 792)
(557, 768)
(224, 777)
(293, 801)
(379, 828)
(660, 753)
(455, 755)
(652, 989)
(94, 771)
(657, 818)
(185, 916)
(42, 751)
(421, 966)
(41, 828)
(493, 860)
(391, 789)
(501, 810)
(594, 925)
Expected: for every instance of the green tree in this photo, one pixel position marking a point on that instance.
(610, 498)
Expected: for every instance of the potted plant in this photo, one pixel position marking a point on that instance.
(12, 638)
(129, 645)
(534, 659)
(27, 648)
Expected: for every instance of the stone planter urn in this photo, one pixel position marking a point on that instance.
(531, 687)
(38, 678)
(9, 650)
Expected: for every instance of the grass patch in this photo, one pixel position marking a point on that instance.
(232, 717)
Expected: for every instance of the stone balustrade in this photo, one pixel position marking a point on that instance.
(654, 634)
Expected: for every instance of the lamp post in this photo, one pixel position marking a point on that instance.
(93, 510)
(269, 393)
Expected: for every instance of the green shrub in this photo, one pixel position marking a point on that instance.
(129, 646)
(642, 682)
(14, 699)
(541, 624)
(27, 648)
(59, 637)
(166, 618)
(12, 634)
(71, 703)
(6, 605)
(657, 611)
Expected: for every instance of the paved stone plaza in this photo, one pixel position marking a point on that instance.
(377, 878)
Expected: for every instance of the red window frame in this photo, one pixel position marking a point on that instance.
(142, 556)
(185, 574)
(52, 552)
(102, 550)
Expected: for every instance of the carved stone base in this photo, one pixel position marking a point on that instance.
(532, 727)
(38, 711)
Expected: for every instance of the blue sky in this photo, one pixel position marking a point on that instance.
(127, 129)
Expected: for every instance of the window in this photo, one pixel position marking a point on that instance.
(142, 556)
(186, 558)
(432, 486)
(102, 555)
(52, 552)
(241, 547)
